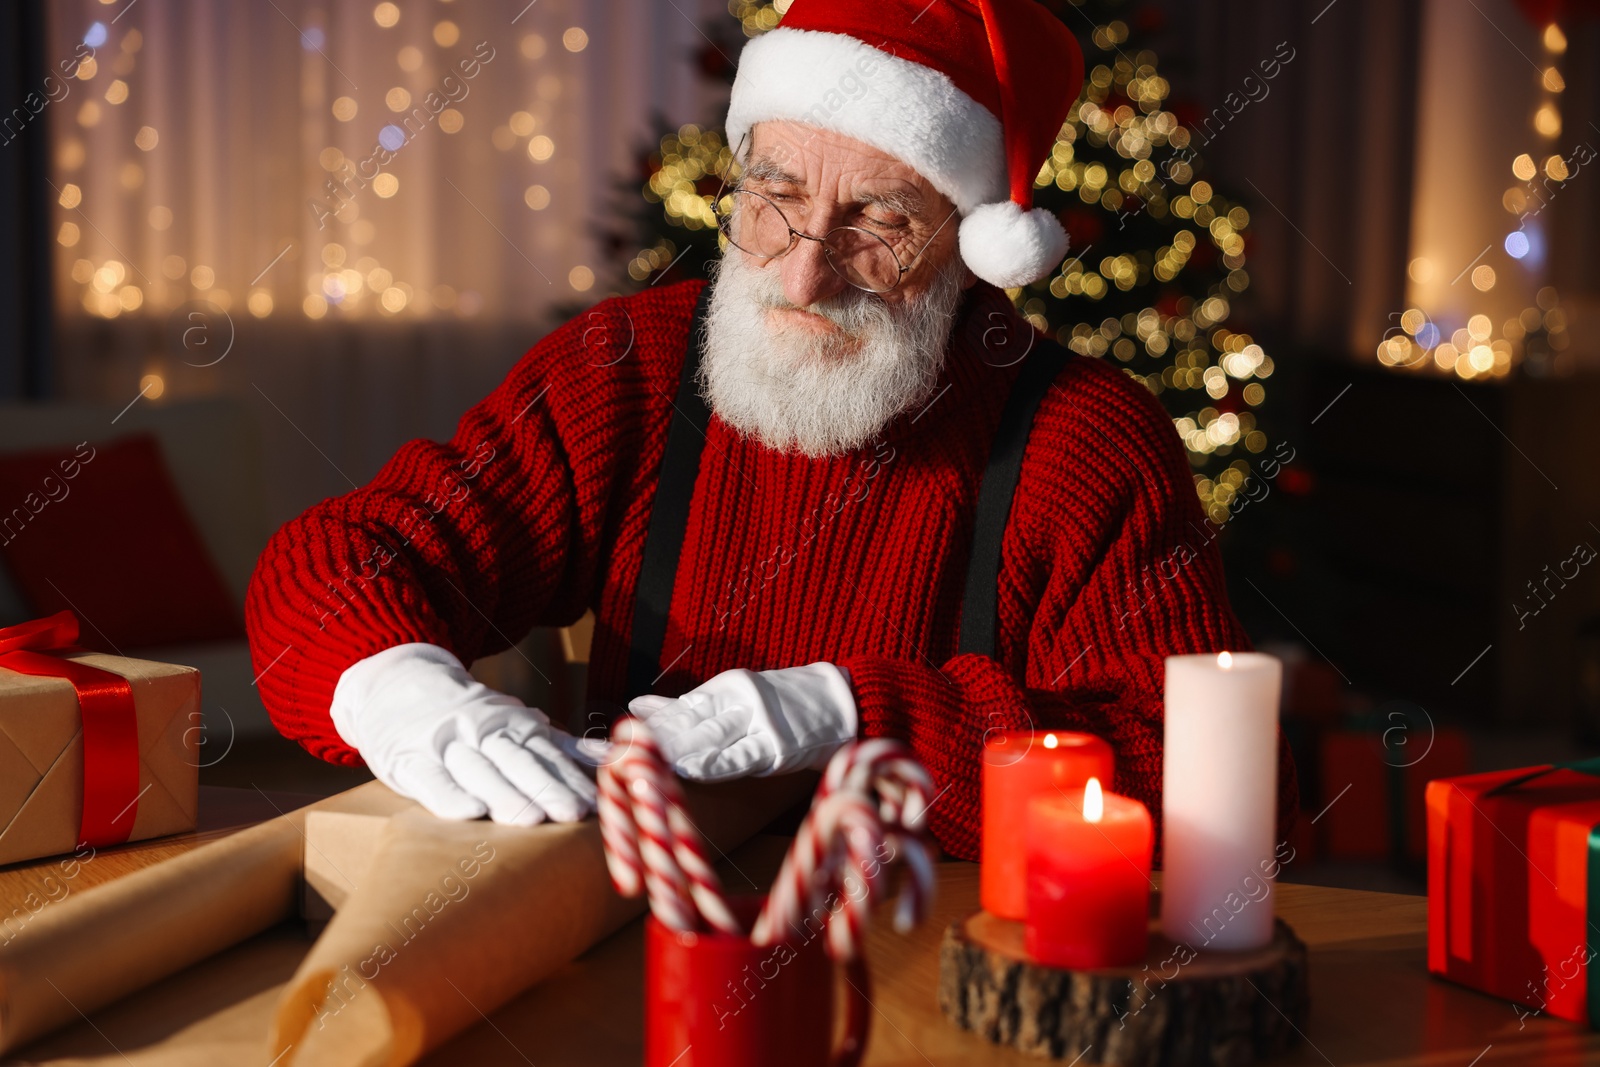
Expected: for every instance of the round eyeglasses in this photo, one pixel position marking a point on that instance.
(756, 226)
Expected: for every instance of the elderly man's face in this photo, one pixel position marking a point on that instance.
(797, 356)
(821, 179)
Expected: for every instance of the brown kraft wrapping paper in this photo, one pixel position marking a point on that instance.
(450, 920)
(102, 943)
(95, 945)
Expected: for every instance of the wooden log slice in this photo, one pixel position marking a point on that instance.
(1180, 1008)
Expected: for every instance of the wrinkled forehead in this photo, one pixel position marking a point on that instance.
(826, 162)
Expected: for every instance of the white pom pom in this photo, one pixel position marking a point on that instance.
(1008, 247)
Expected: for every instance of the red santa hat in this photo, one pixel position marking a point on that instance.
(970, 93)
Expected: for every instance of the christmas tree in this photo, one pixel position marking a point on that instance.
(1157, 260)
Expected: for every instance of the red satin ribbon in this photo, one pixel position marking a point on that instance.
(110, 727)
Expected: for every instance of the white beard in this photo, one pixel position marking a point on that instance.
(820, 393)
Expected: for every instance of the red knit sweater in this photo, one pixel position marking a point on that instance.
(536, 510)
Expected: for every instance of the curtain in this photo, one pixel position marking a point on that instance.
(25, 304)
(1389, 137)
(1321, 151)
(355, 216)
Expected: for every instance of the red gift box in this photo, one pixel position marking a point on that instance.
(1511, 855)
(1373, 785)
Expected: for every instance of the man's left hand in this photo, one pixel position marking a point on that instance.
(743, 722)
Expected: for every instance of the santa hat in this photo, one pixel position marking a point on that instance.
(970, 93)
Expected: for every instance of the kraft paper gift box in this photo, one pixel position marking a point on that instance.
(142, 782)
(1512, 862)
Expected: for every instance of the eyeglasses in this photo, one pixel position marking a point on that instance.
(758, 227)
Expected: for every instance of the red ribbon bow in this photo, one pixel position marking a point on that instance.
(110, 727)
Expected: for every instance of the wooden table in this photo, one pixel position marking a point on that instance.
(1373, 1002)
(221, 812)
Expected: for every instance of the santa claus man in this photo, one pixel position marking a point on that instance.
(842, 490)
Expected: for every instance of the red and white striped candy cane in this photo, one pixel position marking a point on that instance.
(840, 837)
(634, 829)
(689, 850)
(790, 895)
(870, 791)
(648, 836)
(856, 871)
(888, 768)
(905, 791)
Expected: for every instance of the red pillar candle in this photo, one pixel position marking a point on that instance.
(1088, 863)
(1019, 765)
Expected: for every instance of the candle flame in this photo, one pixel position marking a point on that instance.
(1225, 660)
(1094, 805)
(1050, 741)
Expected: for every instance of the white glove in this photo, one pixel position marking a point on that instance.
(744, 722)
(432, 732)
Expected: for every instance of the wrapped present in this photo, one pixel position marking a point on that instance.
(94, 749)
(1373, 779)
(1512, 861)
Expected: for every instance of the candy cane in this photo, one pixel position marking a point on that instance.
(640, 839)
(648, 836)
(905, 792)
(808, 862)
(619, 833)
(886, 766)
(848, 819)
(704, 885)
(873, 793)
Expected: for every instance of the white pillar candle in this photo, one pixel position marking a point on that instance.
(1220, 799)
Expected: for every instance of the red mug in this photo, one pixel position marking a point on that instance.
(718, 1000)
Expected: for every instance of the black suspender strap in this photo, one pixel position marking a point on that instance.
(979, 613)
(669, 516)
(680, 467)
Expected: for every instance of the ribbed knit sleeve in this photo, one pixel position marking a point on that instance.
(1107, 568)
(470, 543)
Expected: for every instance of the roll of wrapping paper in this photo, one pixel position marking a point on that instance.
(98, 945)
(453, 919)
(95, 946)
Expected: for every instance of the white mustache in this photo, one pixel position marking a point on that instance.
(820, 393)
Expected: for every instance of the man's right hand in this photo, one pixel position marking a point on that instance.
(432, 732)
